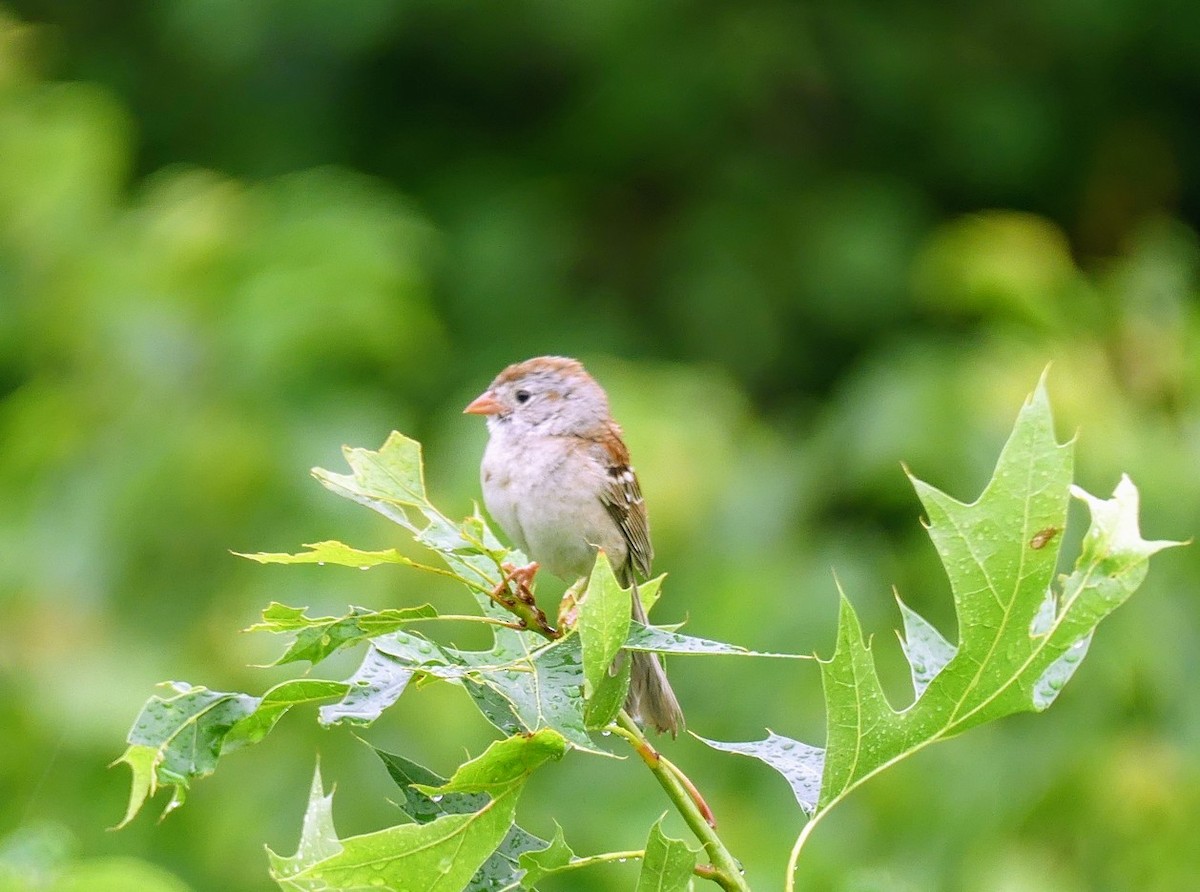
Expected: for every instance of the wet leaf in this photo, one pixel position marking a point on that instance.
(604, 619)
(553, 857)
(179, 738)
(318, 637)
(441, 855)
(800, 764)
(1021, 633)
(667, 865)
(501, 869)
(664, 641)
(378, 683)
(541, 689)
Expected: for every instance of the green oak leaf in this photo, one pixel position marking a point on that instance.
(441, 855)
(1021, 632)
(553, 857)
(341, 554)
(141, 759)
(179, 738)
(332, 552)
(667, 865)
(649, 591)
(274, 703)
(318, 637)
(536, 688)
(603, 626)
(318, 838)
(391, 481)
(608, 699)
(501, 869)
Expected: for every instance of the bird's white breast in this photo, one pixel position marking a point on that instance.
(544, 492)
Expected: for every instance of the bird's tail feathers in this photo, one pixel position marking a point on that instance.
(651, 700)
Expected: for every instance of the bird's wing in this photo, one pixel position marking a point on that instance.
(622, 496)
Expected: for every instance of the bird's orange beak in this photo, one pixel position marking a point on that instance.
(484, 404)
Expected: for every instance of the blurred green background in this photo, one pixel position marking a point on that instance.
(798, 243)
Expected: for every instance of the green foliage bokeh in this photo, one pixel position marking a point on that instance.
(798, 243)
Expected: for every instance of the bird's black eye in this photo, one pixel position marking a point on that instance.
(523, 396)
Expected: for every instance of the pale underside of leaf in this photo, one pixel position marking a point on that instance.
(800, 764)
(660, 640)
(376, 684)
(924, 647)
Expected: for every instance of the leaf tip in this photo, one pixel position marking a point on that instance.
(849, 629)
(1114, 530)
(1043, 378)
(142, 761)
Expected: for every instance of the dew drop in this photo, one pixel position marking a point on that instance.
(437, 797)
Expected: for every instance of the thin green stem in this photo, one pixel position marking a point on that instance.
(790, 882)
(589, 860)
(725, 871)
(438, 571)
(467, 618)
(690, 787)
